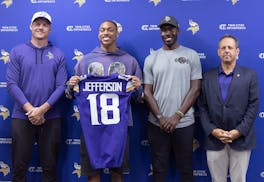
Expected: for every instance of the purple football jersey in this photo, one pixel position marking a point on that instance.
(104, 107)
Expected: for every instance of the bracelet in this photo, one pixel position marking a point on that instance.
(180, 114)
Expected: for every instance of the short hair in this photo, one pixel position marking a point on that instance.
(110, 21)
(229, 36)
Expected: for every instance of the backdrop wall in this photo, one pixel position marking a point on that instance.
(75, 30)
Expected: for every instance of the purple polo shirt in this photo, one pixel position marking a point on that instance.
(224, 82)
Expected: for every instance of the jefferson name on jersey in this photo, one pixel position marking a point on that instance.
(103, 87)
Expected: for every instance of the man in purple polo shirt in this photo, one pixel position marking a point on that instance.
(228, 107)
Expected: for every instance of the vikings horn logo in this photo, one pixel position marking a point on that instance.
(80, 2)
(4, 112)
(196, 144)
(4, 168)
(234, 2)
(50, 55)
(7, 3)
(156, 2)
(77, 169)
(78, 55)
(194, 27)
(5, 56)
(76, 113)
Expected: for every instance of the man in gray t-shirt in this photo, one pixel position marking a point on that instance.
(172, 79)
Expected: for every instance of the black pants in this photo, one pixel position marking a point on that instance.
(24, 135)
(180, 143)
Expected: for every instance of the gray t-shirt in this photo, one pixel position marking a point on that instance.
(170, 73)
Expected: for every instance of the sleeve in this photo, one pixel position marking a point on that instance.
(61, 77)
(196, 69)
(207, 124)
(13, 82)
(147, 70)
(252, 108)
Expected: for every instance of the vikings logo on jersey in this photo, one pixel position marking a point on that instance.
(116, 67)
(96, 68)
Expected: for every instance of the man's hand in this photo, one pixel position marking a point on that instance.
(169, 123)
(73, 81)
(136, 82)
(222, 135)
(36, 116)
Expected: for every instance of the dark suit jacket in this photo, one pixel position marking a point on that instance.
(237, 112)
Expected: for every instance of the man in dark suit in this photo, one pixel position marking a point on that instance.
(228, 107)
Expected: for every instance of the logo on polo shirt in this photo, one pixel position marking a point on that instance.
(50, 55)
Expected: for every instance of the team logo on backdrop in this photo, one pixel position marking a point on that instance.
(117, 67)
(261, 114)
(196, 144)
(261, 55)
(42, 1)
(234, 2)
(199, 173)
(77, 169)
(144, 143)
(117, 1)
(156, 2)
(76, 113)
(232, 26)
(5, 140)
(4, 168)
(96, 68)
(35, 169)
(149, 27)
(201, 55)
(151, 170)
(50, 55)
(4, 112)
(3, 84)
(5, 56)
(7, 3)
(8, 29)
(78, 28)
(194, 27)
(73, 141)
(80, 2)
(78, 55)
